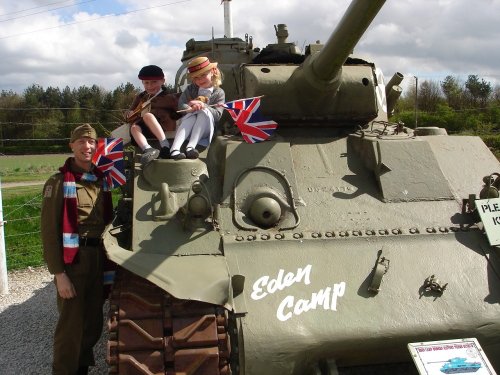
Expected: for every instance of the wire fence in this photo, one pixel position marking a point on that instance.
(21, 224)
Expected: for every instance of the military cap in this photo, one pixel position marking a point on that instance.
(81, 131)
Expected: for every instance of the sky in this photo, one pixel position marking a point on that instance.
(55, 43)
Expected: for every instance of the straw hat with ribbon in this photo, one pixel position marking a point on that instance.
(200, 65)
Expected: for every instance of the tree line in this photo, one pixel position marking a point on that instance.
(50, 113)
(471, 106)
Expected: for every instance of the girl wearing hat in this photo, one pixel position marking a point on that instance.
(200, 99)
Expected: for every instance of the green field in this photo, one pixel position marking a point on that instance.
(21, 214)
(22, 203)
(19, 168)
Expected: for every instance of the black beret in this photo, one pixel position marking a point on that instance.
(151, 72)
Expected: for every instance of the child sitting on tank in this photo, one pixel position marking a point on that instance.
(151, 114)
(202, 101)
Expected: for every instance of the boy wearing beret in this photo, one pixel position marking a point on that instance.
(159, 116)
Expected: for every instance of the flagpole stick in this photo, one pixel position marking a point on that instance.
(218, 105)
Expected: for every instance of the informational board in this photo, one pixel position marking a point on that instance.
(461, 356)
(489, 211)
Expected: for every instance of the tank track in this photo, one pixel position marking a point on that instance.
(152, 333)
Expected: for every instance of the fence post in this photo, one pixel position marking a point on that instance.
(4, 285)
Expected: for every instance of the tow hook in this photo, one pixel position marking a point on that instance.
(380, 269)
(432, 285)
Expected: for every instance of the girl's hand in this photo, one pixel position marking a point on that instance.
(196, 105)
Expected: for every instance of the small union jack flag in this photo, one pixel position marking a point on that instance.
(247, 116)
(108, 158)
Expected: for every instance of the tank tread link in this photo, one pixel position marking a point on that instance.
(152, 333)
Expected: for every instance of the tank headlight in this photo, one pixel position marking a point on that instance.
(265, 212)
(198, 206)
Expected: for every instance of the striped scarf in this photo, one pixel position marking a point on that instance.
(70, 237)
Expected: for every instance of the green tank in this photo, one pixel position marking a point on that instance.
(325, 249)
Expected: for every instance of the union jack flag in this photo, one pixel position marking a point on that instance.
(108, 158)
(247, 116)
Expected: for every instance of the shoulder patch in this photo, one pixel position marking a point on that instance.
(48, 191)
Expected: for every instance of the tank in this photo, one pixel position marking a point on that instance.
(325, 249)
(459, 365)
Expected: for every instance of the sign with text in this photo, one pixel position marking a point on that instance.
(489, 211)
(450, 357)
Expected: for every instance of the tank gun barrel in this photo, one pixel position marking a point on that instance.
(328, 63)
(346, 35)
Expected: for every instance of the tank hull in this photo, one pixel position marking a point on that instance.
(303, 291)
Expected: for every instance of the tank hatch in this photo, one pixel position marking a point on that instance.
(281, 52)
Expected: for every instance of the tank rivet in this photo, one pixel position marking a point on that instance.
(443, 230)
(279, 236)
(383, 231)
(316, 235)
(329, 234)
(264, 237)
(344, 234)
(454, 229)
(251, 237)
(414, 230)
(239, 238)
(297, 235)
(370, 232)
(396, 231)
(431, 230)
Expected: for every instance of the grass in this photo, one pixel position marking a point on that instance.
(22, 205)
(19, 191)
(22, 229)
(21, 168)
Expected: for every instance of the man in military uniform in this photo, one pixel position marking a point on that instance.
(75, 209)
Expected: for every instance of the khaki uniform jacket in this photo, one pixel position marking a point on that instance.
(164, 107)
(90, 208)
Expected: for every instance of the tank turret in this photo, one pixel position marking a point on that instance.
(323, 85)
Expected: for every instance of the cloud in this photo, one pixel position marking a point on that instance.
(88, 44)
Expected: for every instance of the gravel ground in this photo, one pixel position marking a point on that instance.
(28, 316)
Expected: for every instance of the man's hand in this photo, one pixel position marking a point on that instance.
(65, 287)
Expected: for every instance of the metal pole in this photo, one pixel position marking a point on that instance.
(416, 101)
(228, 22)
(4, 285)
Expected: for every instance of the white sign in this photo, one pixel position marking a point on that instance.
(489, 210)
(464, 356)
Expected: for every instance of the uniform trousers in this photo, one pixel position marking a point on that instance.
(80, 318)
